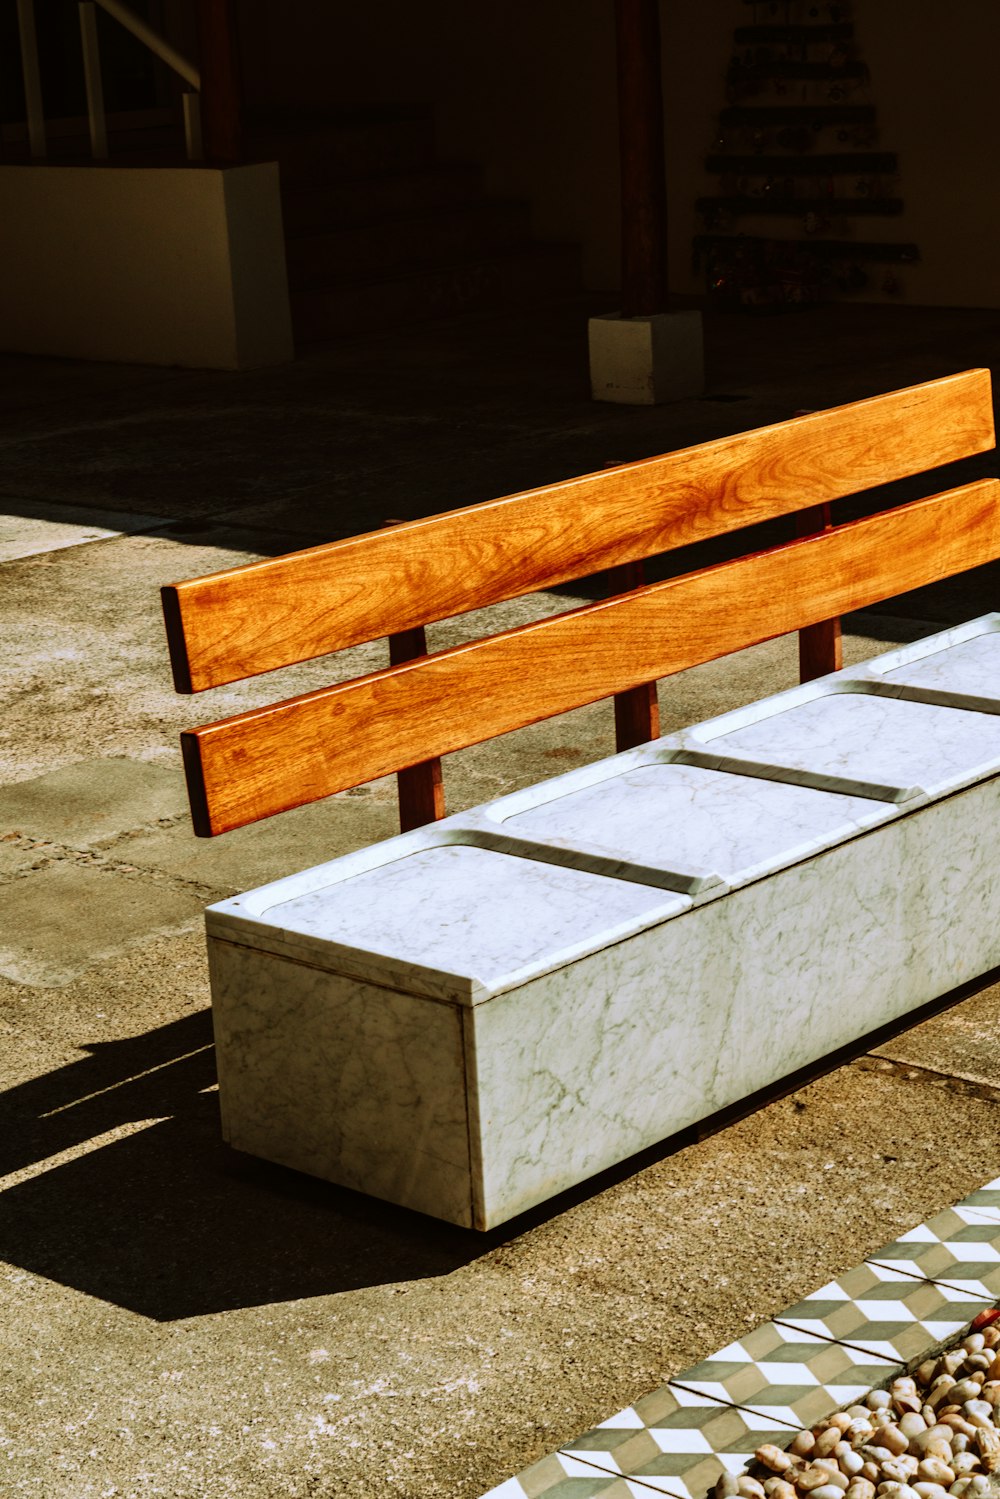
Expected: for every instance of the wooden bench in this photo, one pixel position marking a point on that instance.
(321, 1017)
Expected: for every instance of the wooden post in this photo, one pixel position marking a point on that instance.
(221, 89)
(637, 710)
(419, 788)
(820, 646)
(643, 170)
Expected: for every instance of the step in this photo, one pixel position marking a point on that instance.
(525, 277)
(419, 240)
(354, 146)
(388, 195)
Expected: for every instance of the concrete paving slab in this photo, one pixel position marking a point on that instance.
(61, 920)
(961, 1042)
(266, 850)
(81, 805)
(29, 527)
(15, 859)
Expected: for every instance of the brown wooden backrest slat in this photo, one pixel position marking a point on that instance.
(282, 610)
(273, 758)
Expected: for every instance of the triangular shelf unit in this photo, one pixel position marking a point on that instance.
(805, 195)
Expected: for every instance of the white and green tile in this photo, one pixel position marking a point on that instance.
(559, 1476)
(791, 1375)
(959, 1247)
(883, 1311)
(679, 1442)
(985, 1200)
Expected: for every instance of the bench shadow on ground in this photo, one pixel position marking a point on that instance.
(167, 1222)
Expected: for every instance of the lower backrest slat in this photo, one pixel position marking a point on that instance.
(271, 759)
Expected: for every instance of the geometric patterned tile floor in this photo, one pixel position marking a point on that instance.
(829, 1349)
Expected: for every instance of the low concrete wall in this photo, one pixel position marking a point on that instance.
(158, 265)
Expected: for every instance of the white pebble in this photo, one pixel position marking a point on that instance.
(938, 1433)
(749, 1488)
(772, 1457)
(933, 1470)
(978, 1412)
(812, 1478)
(893, 1438)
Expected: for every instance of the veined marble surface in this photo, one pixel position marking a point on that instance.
(589, 1064)
(969, 667)
(864, 737)
(355, 1084)
(696, 822)
(469, 921)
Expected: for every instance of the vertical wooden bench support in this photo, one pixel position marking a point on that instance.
(820, 646)
(637, 712)
(419, 788)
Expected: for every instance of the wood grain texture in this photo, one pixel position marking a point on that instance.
(264, 761)
(281, 610)
(419, 788)
(821, 648)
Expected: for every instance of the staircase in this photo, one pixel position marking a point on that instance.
(380, 232)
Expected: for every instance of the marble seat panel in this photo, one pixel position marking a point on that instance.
(852, 736)
(707, 826)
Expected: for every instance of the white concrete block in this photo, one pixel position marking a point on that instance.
(646, 361)
(154, 265)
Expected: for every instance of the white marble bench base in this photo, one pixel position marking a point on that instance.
(474, 1113)
(471, 1018)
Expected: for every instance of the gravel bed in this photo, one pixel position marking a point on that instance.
(932, 1433)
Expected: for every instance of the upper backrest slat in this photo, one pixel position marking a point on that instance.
(271, 759)
(287, 609)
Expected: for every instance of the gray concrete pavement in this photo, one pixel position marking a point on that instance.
(178, 1321)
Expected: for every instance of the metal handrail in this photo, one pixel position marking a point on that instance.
(151, 39)
(143, 33)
